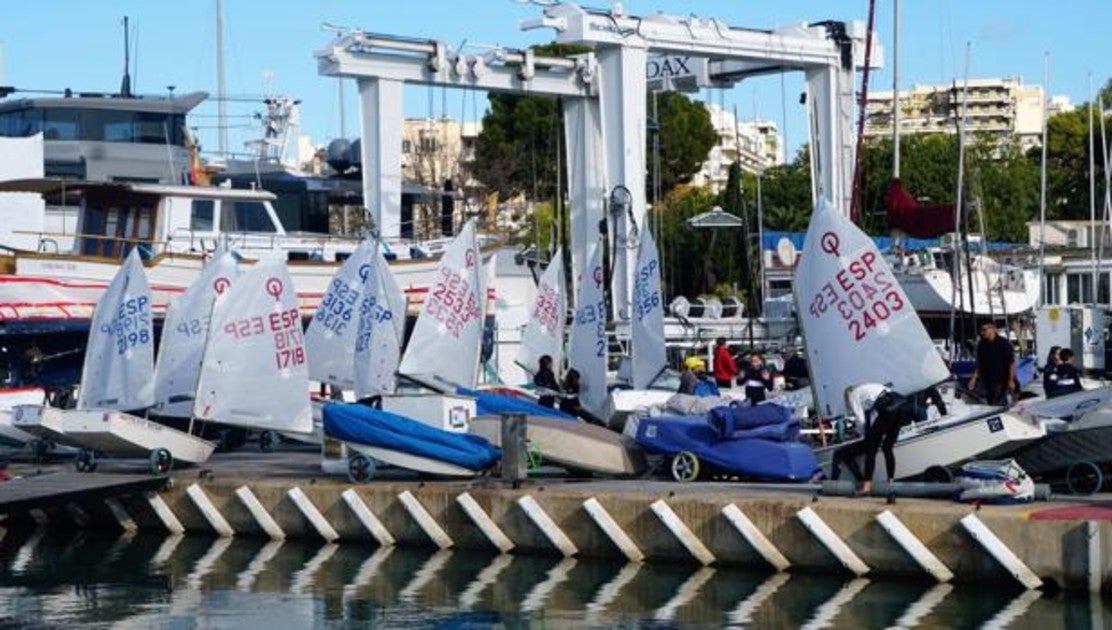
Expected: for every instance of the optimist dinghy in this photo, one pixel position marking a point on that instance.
(574, 445)
(10, 402)
(118, 374)
(859, 327)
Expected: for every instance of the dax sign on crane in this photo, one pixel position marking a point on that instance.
(681, 73)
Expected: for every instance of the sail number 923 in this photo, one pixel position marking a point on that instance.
(862, 296)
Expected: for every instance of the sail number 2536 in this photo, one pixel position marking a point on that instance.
(861, 295)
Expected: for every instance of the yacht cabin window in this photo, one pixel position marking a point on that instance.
(112, 225)
(245, 216)
(201, 216)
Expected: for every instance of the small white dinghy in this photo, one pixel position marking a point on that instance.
(571, 444)
(118, 374)
(10, 400)
(859, 327)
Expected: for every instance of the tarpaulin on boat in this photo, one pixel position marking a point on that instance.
(363, 425)
(490, 404)
(920, 220)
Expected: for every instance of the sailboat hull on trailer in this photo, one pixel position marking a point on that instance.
(125, 435)
(985, 433)
(571, 444)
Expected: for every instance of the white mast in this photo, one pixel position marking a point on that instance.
(221, 92)
(1092, 201)
(955, 273)
(896, 93)
(1042, 181)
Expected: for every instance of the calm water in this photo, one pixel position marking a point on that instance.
(56, 579)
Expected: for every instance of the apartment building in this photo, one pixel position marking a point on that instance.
(756, 144)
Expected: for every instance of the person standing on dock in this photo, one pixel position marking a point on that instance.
(758, 380)
(995, 368)
(881, 412)
(725, 368)
(545, 380)
(1050, 370)
(569, 404)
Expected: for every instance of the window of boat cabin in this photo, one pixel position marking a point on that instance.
(240, 215)
(98, 125)
(113, 223)
(201, 216)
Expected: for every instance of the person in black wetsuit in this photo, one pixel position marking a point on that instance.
(995, 369)
(757, 380)
(545, 380)
(1050, 370)
(1067, 379)
(884, 412)
(570, 402)
(795, 371)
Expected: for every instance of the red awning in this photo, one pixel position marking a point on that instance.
(916, 219)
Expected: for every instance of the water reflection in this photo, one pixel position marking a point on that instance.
(55, 578)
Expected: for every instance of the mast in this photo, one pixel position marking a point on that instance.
(1092, 199)
(125, 84)
(1042, 182)
(896, 92)
(955, 272)
(221, 91)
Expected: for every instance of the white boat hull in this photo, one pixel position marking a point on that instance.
(1088, 439)
(978, 435)
(124, 435)
(416, 463)
(10, 435)
(932, 291)
(571, 444)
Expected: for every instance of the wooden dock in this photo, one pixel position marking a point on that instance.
(55, 490)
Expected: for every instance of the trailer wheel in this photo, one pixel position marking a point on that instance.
(161, 461)
(938, 474)
(267, 440)
(1084, 478)
(86, 461)
(685, 466)
(361, 468)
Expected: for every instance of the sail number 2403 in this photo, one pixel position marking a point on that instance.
(862, 296)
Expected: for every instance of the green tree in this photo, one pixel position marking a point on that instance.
(686, 137)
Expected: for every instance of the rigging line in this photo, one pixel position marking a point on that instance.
(955, 272)
(859, 162)
(1043, 282)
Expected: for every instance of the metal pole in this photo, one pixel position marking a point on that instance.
(1092, 199)
(514, 459)
(955, 272)
(1042, 183)
(896, 93)
(221, 91)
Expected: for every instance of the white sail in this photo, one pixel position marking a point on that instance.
(447, 337)
(184, 332)
(587, 348)
(544, 334)
(381, 329)
(118, 372)
(330, 339)
(858, 325)
(255, 372)
(647, 316)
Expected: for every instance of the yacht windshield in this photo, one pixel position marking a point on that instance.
(245, 216)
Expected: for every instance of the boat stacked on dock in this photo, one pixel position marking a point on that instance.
(859, 327)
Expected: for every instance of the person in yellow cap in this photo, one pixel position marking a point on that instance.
(693, 378)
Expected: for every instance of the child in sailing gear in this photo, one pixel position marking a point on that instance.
(1065, 379)
(757, 380)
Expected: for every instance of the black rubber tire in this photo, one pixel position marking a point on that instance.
(938, 474)
(361, 468)
(161, 462)
(86, 461)
(685, 467)
(1084, 478)
(267, 440)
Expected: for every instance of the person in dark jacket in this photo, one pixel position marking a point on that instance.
(545, 380)
(570, 402)
(757, 379)
(995, 369)
(1050, 369)
(1067, 379)
(795, 371)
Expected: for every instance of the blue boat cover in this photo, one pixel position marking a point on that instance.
(729, 420)
(361, 424)
(490, 404)
(765, 460)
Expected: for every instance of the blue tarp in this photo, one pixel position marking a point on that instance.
(771, 239)
(731, 419)
(488, 404)
(363, 425)
(766, 460)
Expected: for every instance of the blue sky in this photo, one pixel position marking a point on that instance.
(77, 43)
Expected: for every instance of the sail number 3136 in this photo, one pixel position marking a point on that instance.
(861, 295)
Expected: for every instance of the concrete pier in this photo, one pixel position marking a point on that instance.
(1031, 546)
